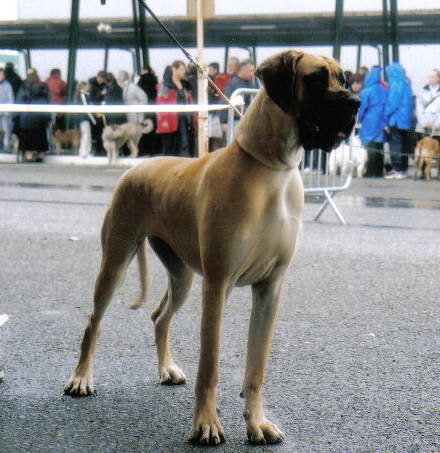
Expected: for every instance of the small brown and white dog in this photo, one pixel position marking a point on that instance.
(426, 150)
(70, 138)
(117, 135)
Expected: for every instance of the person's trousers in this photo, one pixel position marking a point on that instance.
(178, 143)
(85, 144)
(6, 126)
(375, 160)
(396, 140)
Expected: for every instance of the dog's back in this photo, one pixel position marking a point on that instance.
(71, 137)
(426, 150)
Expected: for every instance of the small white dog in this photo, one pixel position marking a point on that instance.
(340, 158)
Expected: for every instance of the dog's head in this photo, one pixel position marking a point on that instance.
(311, 89)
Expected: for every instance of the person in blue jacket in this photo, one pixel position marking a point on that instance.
(371, 118)
(398, 118)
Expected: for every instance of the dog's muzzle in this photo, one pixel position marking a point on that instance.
(326, 122)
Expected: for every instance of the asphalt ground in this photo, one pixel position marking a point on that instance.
(354, 364)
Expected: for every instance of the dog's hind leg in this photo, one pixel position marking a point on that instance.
(428, 165)
(133, 147)
(119, 245)
(265, 307)
(180, 279)
(143, 275)
(416, 162)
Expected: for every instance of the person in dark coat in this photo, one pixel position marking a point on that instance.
(244, 78)
(13, 78)
(148, 82)
(149, 143)
(371, 117)
(113, 95)
(96, 92)
(31, 128)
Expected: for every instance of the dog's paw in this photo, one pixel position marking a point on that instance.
(171, 375)
(207, 432)
(263, 432)
(137, 303)
(79, 386)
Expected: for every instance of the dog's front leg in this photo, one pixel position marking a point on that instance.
(265, 307)
(207, 428)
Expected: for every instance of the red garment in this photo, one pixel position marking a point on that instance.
(222, 80)
(167, 121)
(57, 89)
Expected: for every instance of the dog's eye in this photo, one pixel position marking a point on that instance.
(341, 79)
(319, 78)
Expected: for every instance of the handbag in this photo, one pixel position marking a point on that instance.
(214, 126)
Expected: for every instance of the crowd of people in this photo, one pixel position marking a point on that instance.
(390, 112)
(174, 133)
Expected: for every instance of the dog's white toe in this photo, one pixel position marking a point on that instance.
(171, 375)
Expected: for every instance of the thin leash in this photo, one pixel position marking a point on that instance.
(191, 58)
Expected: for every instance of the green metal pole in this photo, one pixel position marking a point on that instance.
(73, 44)
(385, 44)
(137, 37)
(394, 34)
(143, 33)
(106, 58)
(226, 59)
(358, 57)
(71, 66)
(27, 58)
(339, 18)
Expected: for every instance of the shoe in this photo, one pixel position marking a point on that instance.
(391, 174)
(399, 175)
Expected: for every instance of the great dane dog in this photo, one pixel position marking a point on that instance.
(233, 216)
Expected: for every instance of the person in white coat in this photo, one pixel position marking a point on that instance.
(428, 107)
(6, 97)
(132, 95)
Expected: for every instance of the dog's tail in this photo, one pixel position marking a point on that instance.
(143, 271)
(147, 126)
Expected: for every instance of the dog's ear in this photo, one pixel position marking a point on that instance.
(278, 75)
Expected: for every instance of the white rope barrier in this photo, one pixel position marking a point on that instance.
(162, 108)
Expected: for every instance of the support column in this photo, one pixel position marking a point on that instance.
(202, 84)
(73, 45)
(27, 58)
(106, 58)
(143, 35)
(358, 57)
(137, 37)
(226, 59)
(385, 43)
(394, 31)
(339, 18)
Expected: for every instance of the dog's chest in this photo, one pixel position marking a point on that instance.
(268, 243)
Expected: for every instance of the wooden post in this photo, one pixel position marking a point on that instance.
(202, 85)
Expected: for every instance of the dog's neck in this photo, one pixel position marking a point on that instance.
(269, 135)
